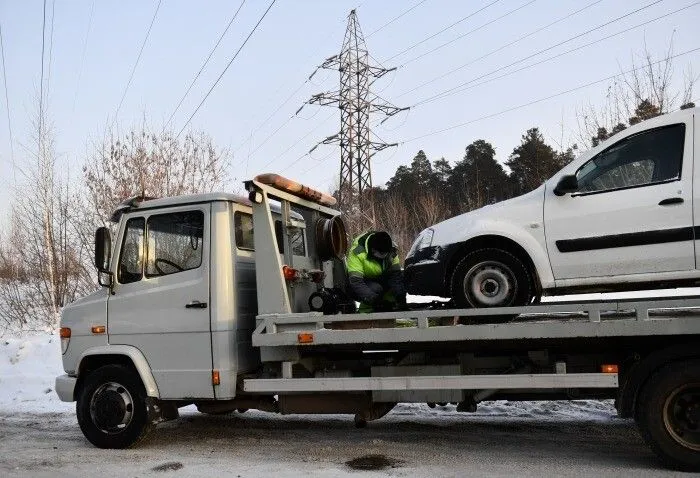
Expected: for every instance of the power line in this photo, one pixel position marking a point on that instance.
(579, 35)
(271, 135)
(324, 121)
(397, 17)
(206, 62)
(442, 31)
(41, 84)
(429, 52)
(291, 95)
(526, 67)
(227, 67)
(82, 56)
(48, 74)
(297, 89)
(272, 115)
(540, 100)
(318, 161)
(7, 101)
(138, 58)
(534, 32)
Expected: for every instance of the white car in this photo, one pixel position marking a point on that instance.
(624, 215)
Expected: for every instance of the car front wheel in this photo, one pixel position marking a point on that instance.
(491, 278)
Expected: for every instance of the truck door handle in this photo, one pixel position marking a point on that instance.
(195, 304)
(670, 201)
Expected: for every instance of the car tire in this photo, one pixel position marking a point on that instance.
(668, 414)
(111, 407)
(491, 278)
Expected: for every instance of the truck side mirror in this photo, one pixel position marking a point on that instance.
(567, 184)
(103, 249)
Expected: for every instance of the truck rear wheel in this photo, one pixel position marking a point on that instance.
(669, 415)
(111, 407)
(491, 278)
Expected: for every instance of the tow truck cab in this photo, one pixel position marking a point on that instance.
(180, 299)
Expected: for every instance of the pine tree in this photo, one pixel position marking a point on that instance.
(421, 169)
(645, 110)
(533, 162)
(478, 179)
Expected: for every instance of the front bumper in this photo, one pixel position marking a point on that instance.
(424, 272)
(65, 388)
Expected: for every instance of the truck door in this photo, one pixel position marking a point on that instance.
(161, 293)
(633, 211)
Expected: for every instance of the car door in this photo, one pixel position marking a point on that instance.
(632, 213)
(160, 298)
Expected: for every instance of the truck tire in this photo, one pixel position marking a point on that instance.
(491, 278)
(668, 414)
(111, 407)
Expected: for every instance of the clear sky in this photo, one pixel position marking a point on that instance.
(92, 55)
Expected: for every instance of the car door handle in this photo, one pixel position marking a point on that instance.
(670, 201)
(195, 304)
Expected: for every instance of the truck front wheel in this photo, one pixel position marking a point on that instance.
(111, 407)
(668, 414)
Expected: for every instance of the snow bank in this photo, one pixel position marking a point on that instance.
(29, 364)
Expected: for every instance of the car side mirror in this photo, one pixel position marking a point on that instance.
(567, 184)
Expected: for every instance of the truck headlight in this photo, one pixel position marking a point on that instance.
(424, 239)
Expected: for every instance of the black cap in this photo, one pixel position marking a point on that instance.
(380, 242)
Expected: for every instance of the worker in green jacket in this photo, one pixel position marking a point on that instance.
(374, 273)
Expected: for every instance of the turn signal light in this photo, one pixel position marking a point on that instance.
(99, 329)
(65, 338)
(305, 338)
(215, 377)
(608, 368)
(290, 273)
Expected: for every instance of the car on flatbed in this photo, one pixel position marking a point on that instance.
(622, 216)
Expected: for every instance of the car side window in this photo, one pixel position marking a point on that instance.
(649, 157)
(131, 255)
(174, 242)
(296, 238)
(243, 226)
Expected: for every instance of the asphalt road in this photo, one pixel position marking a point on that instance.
(257, 444)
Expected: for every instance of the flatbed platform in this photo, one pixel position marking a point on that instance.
(656, 316)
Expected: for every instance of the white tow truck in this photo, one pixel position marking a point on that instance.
(232, 303)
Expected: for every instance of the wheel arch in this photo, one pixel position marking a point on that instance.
(492, 241)
(640, 371)
(128, 356)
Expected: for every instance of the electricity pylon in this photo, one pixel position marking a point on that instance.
(356, 102)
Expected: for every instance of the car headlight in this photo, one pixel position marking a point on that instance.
(424, 239)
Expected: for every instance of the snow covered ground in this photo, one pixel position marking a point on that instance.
(39, 436)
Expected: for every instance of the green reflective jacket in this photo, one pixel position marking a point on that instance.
(359, 264)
